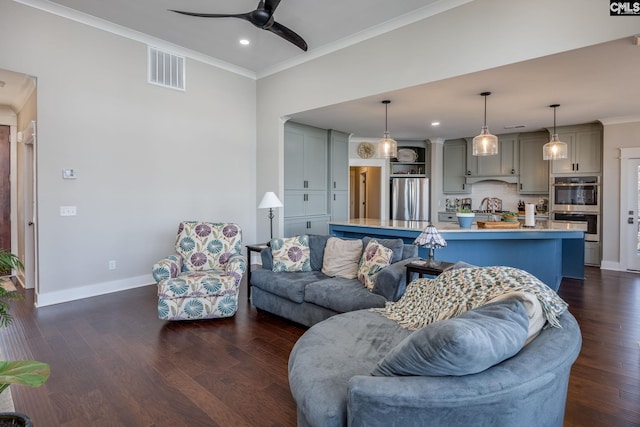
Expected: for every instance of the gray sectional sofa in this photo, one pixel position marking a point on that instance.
(310, 297)
(335, 380)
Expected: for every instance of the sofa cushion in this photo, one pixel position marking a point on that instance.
(341, 257)
(468, 344)
(317, 244)
(342, 295)
(396, 245)
(374, 258)
(291, 254)
(286, 285)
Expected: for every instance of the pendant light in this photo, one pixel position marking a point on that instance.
(485, 144)
(555, 149)
(387, 147)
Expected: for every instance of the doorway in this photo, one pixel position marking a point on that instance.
(5, 188)
(633, 207)
(630, 208)
(365, 192)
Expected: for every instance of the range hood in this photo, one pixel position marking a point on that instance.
(510, 179)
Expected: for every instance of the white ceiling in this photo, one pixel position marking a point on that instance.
(594, 83)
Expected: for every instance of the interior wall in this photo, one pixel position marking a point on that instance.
(615, 136)
(146, 157)
(443, 46)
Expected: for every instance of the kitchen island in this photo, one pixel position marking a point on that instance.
(547, 252)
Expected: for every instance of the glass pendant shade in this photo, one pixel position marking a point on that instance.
(555, 149)
(485, 144)
(387, 146)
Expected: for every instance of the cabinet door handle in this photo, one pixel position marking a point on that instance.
(521, 186)
(334, 184)
(463, 186)
(513, 171)
(334, 197)
(305, 184)
(305, 197)
(308, 224)
(577, 167)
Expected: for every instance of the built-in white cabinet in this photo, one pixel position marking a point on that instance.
(454, 153)
(584, 143)
(534, 171)
(503, 164)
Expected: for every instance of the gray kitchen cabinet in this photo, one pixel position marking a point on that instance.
(455, 167)
(340, 205)
(339, 164)
(309, 225)
(305, 157)
(339, 175)
(304, 203)
(503, 164)
(584, 144)
(534, 171)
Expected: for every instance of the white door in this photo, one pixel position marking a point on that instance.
(632, 215)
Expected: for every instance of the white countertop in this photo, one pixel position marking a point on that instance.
(541, 226)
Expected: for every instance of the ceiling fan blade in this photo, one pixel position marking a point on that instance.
(244, 16)
(288, 35)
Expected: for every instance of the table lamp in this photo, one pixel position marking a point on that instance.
(430, 238)
(270, 201)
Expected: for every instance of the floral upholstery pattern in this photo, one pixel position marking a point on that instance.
(291, 254)
(202, 280)
(374, 258)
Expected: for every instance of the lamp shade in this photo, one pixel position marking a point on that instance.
(555, 149)
(270, 200)
(430, 238)
(485, 144)
(387, 146)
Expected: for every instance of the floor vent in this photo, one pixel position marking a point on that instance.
(166, 69)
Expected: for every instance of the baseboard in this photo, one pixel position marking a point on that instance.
(610, 265)
(66, 295)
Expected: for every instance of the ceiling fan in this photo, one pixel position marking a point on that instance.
(261, 17)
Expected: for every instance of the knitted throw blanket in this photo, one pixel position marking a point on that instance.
(456, 291)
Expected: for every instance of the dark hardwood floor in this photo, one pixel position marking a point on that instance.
(113, 363)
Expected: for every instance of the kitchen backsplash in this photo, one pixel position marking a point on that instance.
(507, 192)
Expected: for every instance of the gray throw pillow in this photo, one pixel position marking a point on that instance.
(396, 245)
(463, 345)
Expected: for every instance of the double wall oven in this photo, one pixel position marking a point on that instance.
(575, 203)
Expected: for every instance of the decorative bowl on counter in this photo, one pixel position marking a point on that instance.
(509, 217)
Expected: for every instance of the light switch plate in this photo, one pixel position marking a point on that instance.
(69, 174)
(67, 210)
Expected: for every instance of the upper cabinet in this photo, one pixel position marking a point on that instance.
(412, 160)
(454, 155)
(305, 157)
(504, 166)
(339, 175)
(584, 143)
(534, 171)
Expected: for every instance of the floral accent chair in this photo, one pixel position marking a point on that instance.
(202, 280)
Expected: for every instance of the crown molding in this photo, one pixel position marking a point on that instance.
(101, 24)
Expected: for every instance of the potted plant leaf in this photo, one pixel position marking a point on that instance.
(26, 372)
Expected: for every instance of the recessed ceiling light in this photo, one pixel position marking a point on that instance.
(244, 42)
(435, 123)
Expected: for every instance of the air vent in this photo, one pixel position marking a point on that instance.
(165, 69)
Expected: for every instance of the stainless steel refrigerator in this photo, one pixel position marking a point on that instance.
(410, 199)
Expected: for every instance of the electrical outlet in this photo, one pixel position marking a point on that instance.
(112, 264)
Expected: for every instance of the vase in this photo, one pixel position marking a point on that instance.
(465, 219)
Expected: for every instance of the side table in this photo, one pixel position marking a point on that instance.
(424, 267)
(257, 247)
